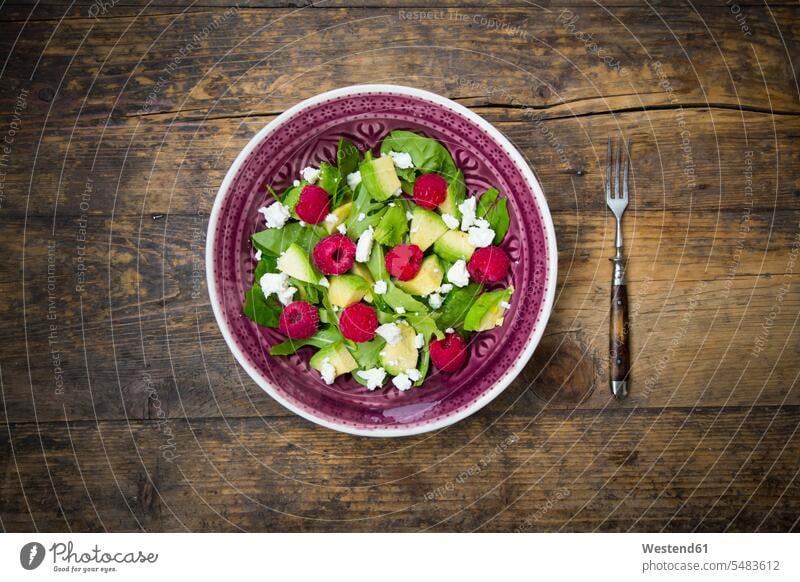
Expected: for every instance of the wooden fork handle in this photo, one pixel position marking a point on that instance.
(619, 354)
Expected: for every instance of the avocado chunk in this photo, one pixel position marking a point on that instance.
(347, 289)
(427, 280)
(456, 191)
(403, 355)
(295, 263)
(337, 356)
(454, 245)
(426, 227)
(362, 271)
(379, 177)
(487, 312)
(341, 213)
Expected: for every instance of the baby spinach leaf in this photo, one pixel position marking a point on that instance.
(267, 264)
(260, 309)
(274, 241)
(392, 227)
(292, 195)
(362, 204)
(347, 157)
(427, 154)
(456, 306)
(456, 192)
(329, 178)
(377, 264)
(425, 324)
(487, 304)
(396, 297)
(367, 354)
(494, 210)
(308, 292)
(324, 337)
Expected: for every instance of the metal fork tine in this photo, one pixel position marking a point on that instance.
(616, 170)
(608, 172)
(625, 180)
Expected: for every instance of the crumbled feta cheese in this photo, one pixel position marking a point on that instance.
(505, 304)
(364, 245)
(354, 179)
(413, 374)
(342, 228)
(409, 215)
(327, 371)
(445, 288)
(450, 220)
(402, 160)
(296, 183)
(331, 218)
(324, 283)
(391, 204)
(335, 308)
(302, 223)
(457, 274)
(258, 255)
(277, 283)
(467, 209)
(435, 300)
(481, 234)
(419, 341)
(402, 382)
(380, 287)
(361, 217)
(397, 192)
(400, 310)
(275, 214)
(449, 330)
(390, 332)
(374, 377)
(310, 174)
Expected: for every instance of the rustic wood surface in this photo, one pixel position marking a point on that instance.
(122, 407)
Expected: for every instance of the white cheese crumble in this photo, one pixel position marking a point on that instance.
(445, 288)
(324, 283)
(310, 174)
(302, 222)
(364, 245)
(361, 216)
(400, 310)
(449, 330)
(505, 304)
(409, 215)
(342, 228)
(402, 160)
(457, 274)
(327, 371)
(331, 218)
(397, 192)
(481, 234)
(277, 283)
(419, 341)
(450, 220)
(392, 204)
(296, 183)
(390, 332)
(380, 287)
(374, 377)
(413, 374)
(354, 179)
(467, 209)
(435, 300)
(258, 255)
(275, 214)
(402, 382)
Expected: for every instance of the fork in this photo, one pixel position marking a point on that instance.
(618, 352)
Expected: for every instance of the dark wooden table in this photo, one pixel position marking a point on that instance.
(122, 407)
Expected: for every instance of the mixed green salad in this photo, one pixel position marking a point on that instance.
(382, 262)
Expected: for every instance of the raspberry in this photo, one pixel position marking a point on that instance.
(430, 190)
(299, 320)
(358, 322)
(314, 205)
(403, 261)
(488, 265)
(449, 354)
(334, 254)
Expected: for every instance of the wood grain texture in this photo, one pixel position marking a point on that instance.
(132, 413)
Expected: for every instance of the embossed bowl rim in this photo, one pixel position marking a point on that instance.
(552, 259)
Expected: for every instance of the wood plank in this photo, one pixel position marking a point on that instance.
(675, 470)
(143, 328)
(157, 167)
(261, 60)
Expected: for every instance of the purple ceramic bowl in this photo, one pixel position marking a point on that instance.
(307, 134)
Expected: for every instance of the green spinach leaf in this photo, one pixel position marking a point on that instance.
(324, 337)
(347, 157)
(396, 297)
(495, 210)
(392, 227)
(260, 309)
(427, 154)
(274, 241)
(456, 306)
